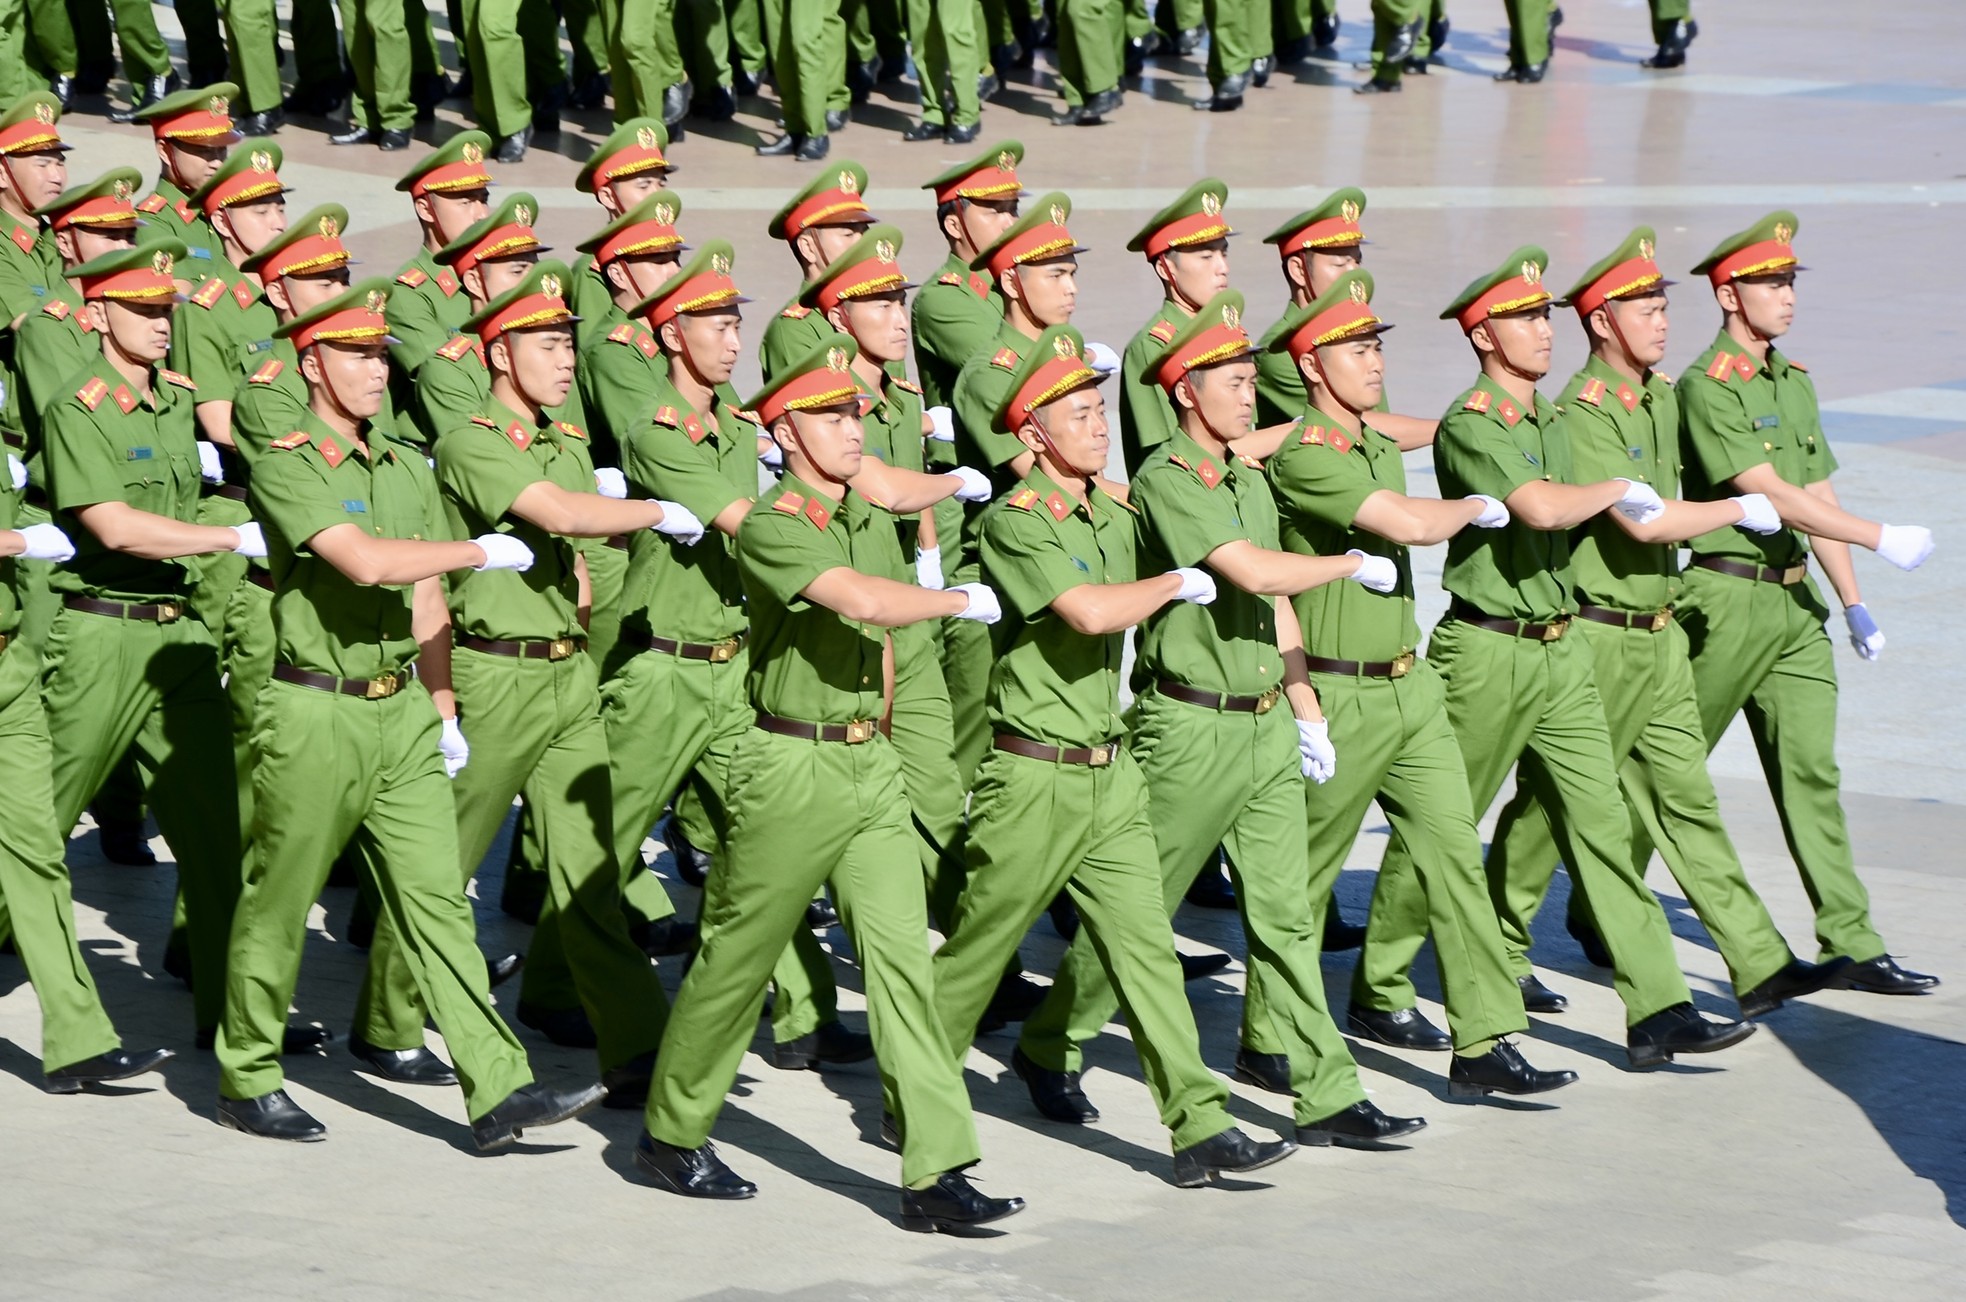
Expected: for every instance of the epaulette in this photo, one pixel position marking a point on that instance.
(1251, 462)
(1179, 460)
(181, 381)
(210, 292)
(412, 276)
(948, 278)
(457, 348)
(1058, 506)
(268, 371)
(243, 292)
(288, 442)
(626, 333)
(1726, 365)
(909, 385)
(92, 393)
(622, 334)
(486, 421)
(1163, 330)
(1024, 499)
(1480, 400)
(1005, 358)
(789, 503)
(795, 311)
(1313, 435)
(1592, 392)
(570, 429)
(57, 309)
(668, 416)
(1795, 365)
(154, 203)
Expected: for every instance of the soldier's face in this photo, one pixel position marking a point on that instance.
(1326, 265)
(1767, 302)
(500, 274)
(831, 439)
(830, 242)
(1197, 274)
(1642, 324)
(540, 362)
(1073, 431)
(356, 374)
(631, 190)
(38, 178)
(1048, 290)
(641, 276)
(255, 225)
(1522, 337)
(985, 220)
(451, 214)
(878, 324)
(1225, 396)
(712, 340)
(1354, 370)
(305, 293)
(190, 162)
(139, 331)
(78, 244)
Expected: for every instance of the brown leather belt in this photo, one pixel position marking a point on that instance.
(36, 496)
(4, 639)
(1216, 700)
(559, 648)
(715, 652)
(260, 578)
(1788, 576)
(1097, 757)
(617, 541)
(1645, 621)
(231, 492)
(18, 442)
(162, 612)
(1549, 632)
(852, 734)
(1399, 667)
(369, 689)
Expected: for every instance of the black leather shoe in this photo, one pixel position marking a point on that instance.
(1539, 998)
(393, 139)
(1229, 1153)
(691, 1172)
(963, 135)
(62, 87)
(1324, 30)
(1196, 966)
(988, 85)
(143, 95)
(628, 1084)
(1188, 40)
(1406, 1028)
(1402, 44)
(813, 148)
(416, 1066)
(675, 104)
(1416, 67)
(744, 82)
(1260, 69)
(263, 123)
(1883, 976)
(1793, 980)
(356, 136)
(951, 1205)
(666, 937)
(1378, 86)
(1437, 32)
(122, 842)
(271, 1116)
(1672, 50)
(1095, 108)
(692, 864)
(1526, 73)
(1340, 935)
(1133, 56)
(533, 1106)
(861, 78)
(1501, 1070)
(1064, 916)
(821, 915)
(1055, 1094)
(1017, 997)
(1266, 1071)
(566, 1027)
(502, 969)
(1361, 1126)
(315, 101)
(293, 1041)
(836, 119)
(834, 1043)
(591, 92)
(719, 105)
(1212, 888)
(117, 1064)
(1588, 940)
(1680, 1029)
(512, 149)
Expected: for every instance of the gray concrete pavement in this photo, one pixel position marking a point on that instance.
(1826, 1157)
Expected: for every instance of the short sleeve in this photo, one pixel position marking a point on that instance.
(1596, 451)
(290, 497)
(82, 466)
(980, 390)
(200, 349)
(781, 554)
(1718, 434)
(483, 470)
(1478, 453)
(1024, 561)
(661, 461)
(1321, 482)
(952, 323)
(413, 322)
(1186, 519)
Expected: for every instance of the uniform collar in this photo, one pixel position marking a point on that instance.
(1776, 365)
(1056, 502)
(1213, 471)
(1501, 403)
(339, 450)
(1618, 391)
(814, 505)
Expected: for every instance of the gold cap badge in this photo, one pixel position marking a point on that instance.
(44, 113)
(330, 228)
(376, 301)
(1231, 316)
(1064, 346)
(472, 152)
(664, 214)
(1210, 204)
(848, 183)
(884, 250)
(161, 263)
(1357, 291)
(522, 214)
(836, 359)
(645, 137)
(1006, 161)
(1645, 249)
(261, 161)
(1349, 210)
(122, 189)
(549, 285)
(720, 263)
(1532, 273)
(1782, 232)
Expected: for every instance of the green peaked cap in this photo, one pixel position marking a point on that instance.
(1524, 268)
(1194, 218)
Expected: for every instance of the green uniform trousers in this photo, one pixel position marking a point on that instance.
(245, 648)
(51, 45)
(665, 717)
(534, 727)
(1186, 14)
(807, 41)
(590, 25)
(1667, 12)
(33, 878)
(1238, 31)
(1222, 777)
(1529, 31)
(803, 813)
(948, 60)
(745, 21)
(1036, 828)
(252, 33)
(1760, 647)
(1646, 684)
(328, 767)
(966, 660)
(922, 728)
(645, 58)
(380, 54)
(1091, 34)
(607, 575)
(1508, 695)
(1293, 17)
(703, 34)
(513, 47)
(220, 572)
(204, 42)
(1388, 16)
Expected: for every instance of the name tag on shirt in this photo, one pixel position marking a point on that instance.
(1767, 422)
(1083, 567)
(138, 454)
(355, 506)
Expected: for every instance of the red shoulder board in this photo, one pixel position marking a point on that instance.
(124, 398)
(243, 292)
(794, 312)
(181, 381)
(413, 277)
(447, 281)
(1798, 366)
(1479, 400)
(93, 393)
(978, 286)
(268, 372)
(1723, 366)
(817, 513)
(1744, 366)
(1592, 392)
(667, 416)
(789, 503)
(521, 436)
(1005, 358)
(184, 211)
(948, 278)
(695, 428)
(1507, 411)
(154, 203)
(621, 334)
(331, 452)
(24, 238)
(1249, 461)
(1626, 396)
(1179, 460)
(646, 342)
(570, 429)
(457, 348)
(1163, 330)
(1024, 498)
(1315, 434)
(1210, 473)
(288, 442)
(1058, 506)
(909, 385)
(486, 421)
(57, 309)
(209, 293)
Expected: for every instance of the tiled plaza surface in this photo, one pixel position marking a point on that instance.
(1824, 1158)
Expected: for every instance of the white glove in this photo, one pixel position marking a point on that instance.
(1865, 636)
(770, 453)
(457, 751)
(983, 605)
(208, 467)
(609, 482)
(1494, 514)
(46, 543)
(928, 568)
(1757, 513)
(976, 485)
(942, 424)
(1197, 586)
(1314, 753)
(1101, 358)
(503, 552)
(1905, 545)
(17, 471)
(1641, 503)
(252, 540)
(1375, 572)
(680, 523)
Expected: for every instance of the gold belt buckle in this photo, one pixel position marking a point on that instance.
(1267, 701)
(4, 639)
(383, 686)
(1794, 574)
(1661, 619)
(1556, 628)
(1402, 664)
(727, 650)
(859, 730)
(560, 648)
(168, 612)
(1103, 755)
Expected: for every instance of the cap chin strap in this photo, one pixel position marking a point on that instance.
(1202, 416)
(1508, 364)
(1358, 417)
(962, 224)
(1174, 287)
(327, 386)
(1624, 345)
(1044, 436)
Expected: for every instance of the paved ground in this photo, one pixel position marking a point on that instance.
(1826, 1157)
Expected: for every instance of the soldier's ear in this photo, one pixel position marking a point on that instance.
(1728, 297)
(617, 274)
(225, 232)
(1483, 341)
(65, 245)
(276, 294)
(1184, 394)
(839, 314)
(498, 355)
(98, 314)
(1297, 270)
(671, 335)
(310, 366)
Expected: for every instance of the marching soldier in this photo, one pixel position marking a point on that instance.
(84, 222)
(817, 796)
(1405, 35)
(625, 169)
(193, 131)
(818, 224)
(1090, 37)
(450, 192)
(807, 40)
(1749, 421)
(957, 309)
(33, 173)
(351, 709)
(629, 259)
(947, 43)
(1674, 29)
(1187, 245)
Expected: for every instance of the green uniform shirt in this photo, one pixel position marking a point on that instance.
(170, 208)
(981, 388)
(592, 300)
(24, 283)
(427, 307)
(1321, 478)
(102, 443)
(893, 430)
(691, 594)
(808, 662)
(1279, 384)
(789, 336)
(51, 345)
(9, 574)
(1618, 431)
(483, 466)
(618, 374)
(1487, 444)
(1190, 503)
(218, 338)
(954, 317)
(312, 480)
(270, 403)
(1736, 415)
(1051, 683)
(1146, 415)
